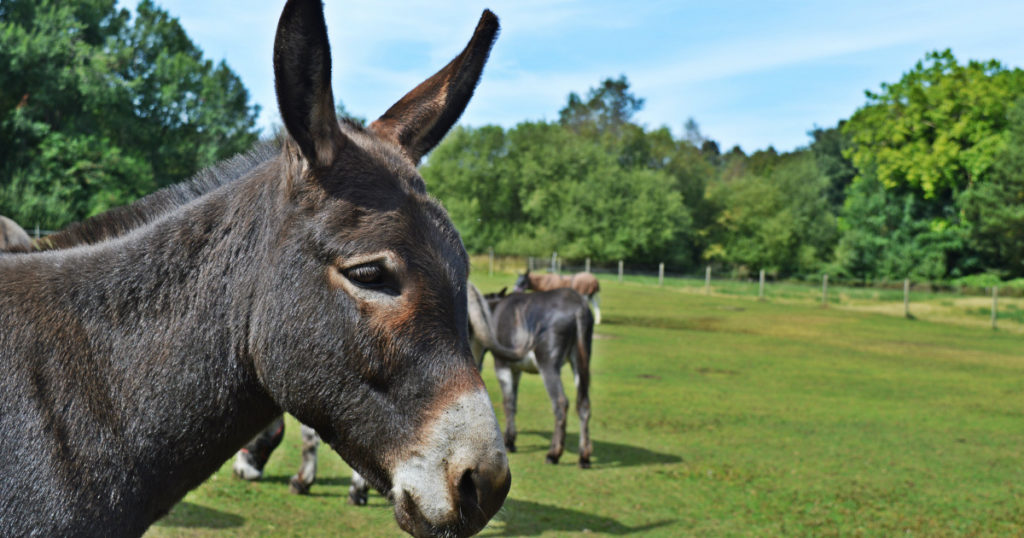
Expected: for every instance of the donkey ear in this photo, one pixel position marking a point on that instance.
(418, 121)
(302, 78)
(503, 291)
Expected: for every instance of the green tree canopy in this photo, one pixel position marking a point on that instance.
(921, 145)
(778, 219)
(995, 208)
(539, 188)
(939, 129)
(98, 107)
(829, 146)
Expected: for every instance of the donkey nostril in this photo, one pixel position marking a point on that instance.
(467, 490)
(481, 493)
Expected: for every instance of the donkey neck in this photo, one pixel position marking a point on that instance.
(149, 370)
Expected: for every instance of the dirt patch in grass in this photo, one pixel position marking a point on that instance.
(716, 371)
(702, 324)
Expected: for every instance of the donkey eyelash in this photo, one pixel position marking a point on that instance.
(370, 274)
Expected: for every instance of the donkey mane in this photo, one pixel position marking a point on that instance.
(121, 220)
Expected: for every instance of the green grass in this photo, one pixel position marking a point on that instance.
(722, 416)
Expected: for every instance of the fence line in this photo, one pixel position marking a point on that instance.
(714, 285)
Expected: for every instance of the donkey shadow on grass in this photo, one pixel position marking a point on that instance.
(195, 516)
(342, 482)
(528, 518)
(607, 454)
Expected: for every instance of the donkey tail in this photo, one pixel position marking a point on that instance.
(482, 324)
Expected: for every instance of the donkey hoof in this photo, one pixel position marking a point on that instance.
(357, 498)
(511, 447)
(245, 470)
(584, 463)
(297, 486)
(553, 460)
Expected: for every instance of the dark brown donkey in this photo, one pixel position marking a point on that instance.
(320, 280)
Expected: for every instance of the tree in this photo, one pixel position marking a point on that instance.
(470, 173)
(828, 146)
(692, 134)
(939, 129)
(926, 140)
(779, 221)
(887, 235)
(607, 108)
(98, 108)
(995, 208)
(540, 187)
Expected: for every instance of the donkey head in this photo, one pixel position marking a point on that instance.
(522, 282)
(359, 326)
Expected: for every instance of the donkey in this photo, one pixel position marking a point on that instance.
(250, 460)
(584, 283)
(322, 281)
(12, 236)
(545, 328)
(572, 330)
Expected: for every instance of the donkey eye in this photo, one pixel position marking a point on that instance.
(370, 274)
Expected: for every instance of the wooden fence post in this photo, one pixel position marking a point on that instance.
(707, 280)
(661, 273)
(824, 290)
(554, 262)
(529, 263)
(760, 286)
(587, 268)
(995, 306)
(620, 270)
(906, 299)
(490, 261)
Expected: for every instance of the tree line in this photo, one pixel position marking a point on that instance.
(924, 181)
(100, 105)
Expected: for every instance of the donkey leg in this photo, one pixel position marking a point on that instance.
(560, 406)
(250, 460)
(358, 491)
(595, 302)
(508, 380)
(582, 379)
(303, 480)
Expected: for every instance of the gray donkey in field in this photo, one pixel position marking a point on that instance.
(314, 276)
(550, 328)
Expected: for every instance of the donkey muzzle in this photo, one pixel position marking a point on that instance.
(457, 478)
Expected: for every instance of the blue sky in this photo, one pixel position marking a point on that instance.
(750, 73)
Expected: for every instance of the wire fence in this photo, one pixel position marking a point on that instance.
(998, 307)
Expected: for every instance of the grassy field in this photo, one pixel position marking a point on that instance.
(719, 415)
